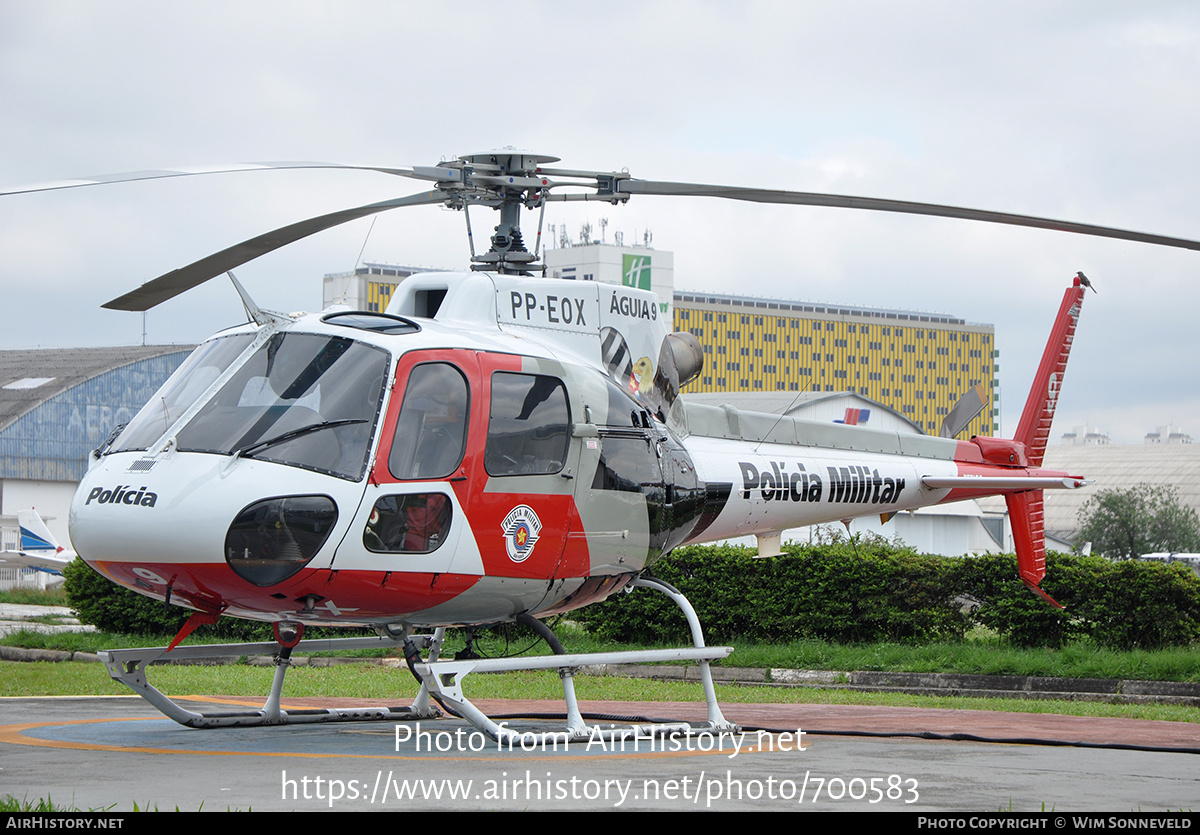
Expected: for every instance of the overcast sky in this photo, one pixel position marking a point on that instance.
(1083, 111)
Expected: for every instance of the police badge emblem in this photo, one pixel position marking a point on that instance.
(521, 528)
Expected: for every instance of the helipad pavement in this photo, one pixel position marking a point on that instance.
(93, 752)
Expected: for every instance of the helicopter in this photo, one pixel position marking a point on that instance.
(487, 451)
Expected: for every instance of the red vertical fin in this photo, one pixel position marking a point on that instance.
(1026, 511)
(1027, 516)
(1034, 428)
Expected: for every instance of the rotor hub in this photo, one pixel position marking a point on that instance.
(509, 160)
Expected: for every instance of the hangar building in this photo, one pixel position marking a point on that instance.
(56, 406)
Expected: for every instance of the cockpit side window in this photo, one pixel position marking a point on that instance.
(415, 524)
(431, 431)
(528, 426)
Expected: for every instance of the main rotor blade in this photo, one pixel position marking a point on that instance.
(171, 284)
(133, 176)
(806, 198)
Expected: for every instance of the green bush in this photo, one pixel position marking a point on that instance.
(1120, 605)
(1143, 605)
(1007, 606)
(868, 590)
(853, 592)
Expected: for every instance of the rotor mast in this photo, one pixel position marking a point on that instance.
(511, 175)
(508, 180)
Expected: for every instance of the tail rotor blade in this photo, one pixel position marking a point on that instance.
(965, 410)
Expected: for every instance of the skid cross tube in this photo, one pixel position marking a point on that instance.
(444, 679)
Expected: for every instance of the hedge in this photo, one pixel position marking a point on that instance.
(872, 591)
(852, 592)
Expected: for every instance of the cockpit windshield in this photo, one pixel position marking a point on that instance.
(302, 399)
(183, 388)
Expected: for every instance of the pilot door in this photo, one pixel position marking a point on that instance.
(472, 477)
(411, 531)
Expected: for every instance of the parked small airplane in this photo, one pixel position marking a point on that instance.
(39, 550)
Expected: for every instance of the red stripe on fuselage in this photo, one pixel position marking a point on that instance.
(340, 596)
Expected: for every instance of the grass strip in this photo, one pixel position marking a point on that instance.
(986, 655)
(390, 685)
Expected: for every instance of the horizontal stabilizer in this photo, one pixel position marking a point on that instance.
(1013, 483)
(49, 563)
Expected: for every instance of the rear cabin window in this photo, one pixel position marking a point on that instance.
(528, 425)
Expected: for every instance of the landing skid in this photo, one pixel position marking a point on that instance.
(444, 679)
(441, 680)
(128, 666)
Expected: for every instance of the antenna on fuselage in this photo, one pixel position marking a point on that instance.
(257, 315)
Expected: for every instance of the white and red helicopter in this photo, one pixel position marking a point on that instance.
(476, 455)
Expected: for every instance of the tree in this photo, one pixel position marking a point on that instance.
(1142, 519)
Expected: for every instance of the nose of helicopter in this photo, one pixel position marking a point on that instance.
(206, 525)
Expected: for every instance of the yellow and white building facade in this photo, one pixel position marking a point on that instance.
(917, 363)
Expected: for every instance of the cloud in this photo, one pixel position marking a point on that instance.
(1073, 110)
